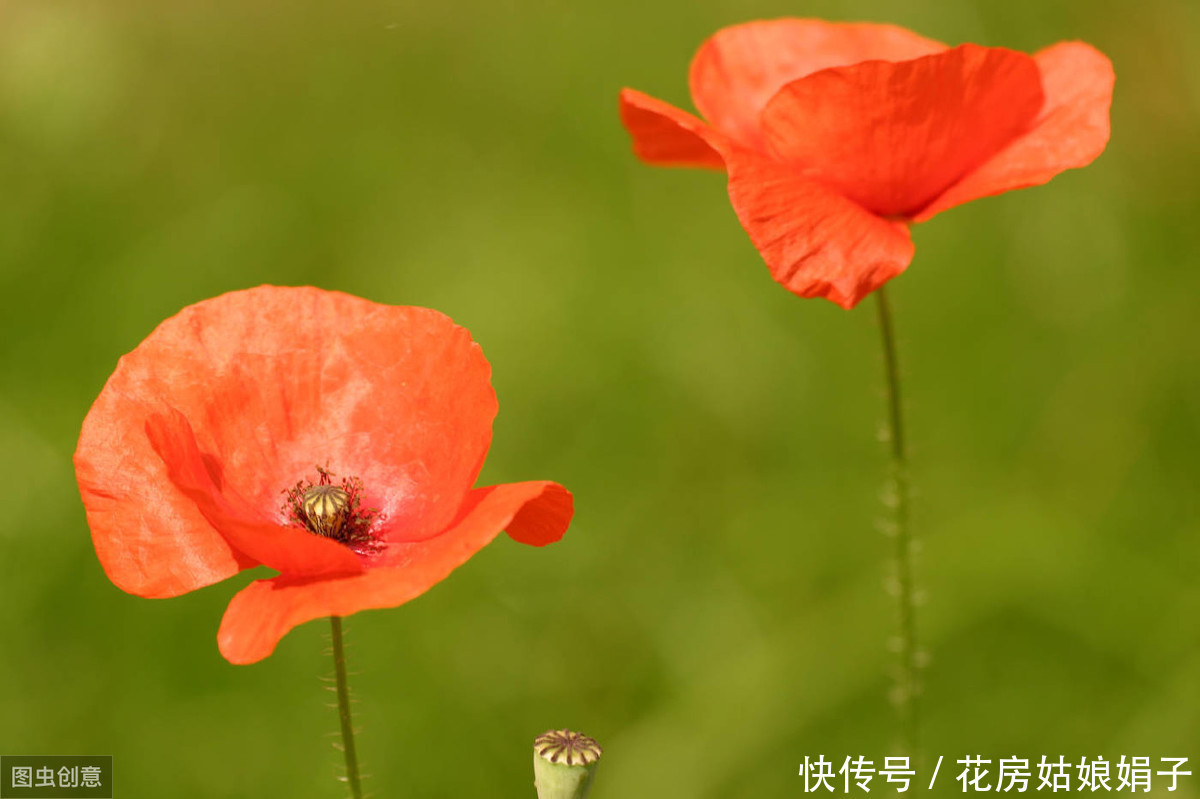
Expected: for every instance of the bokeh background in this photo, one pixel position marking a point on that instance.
(717, 611)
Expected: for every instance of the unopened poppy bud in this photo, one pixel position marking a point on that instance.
(564, 764)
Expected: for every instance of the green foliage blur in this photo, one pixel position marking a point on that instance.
(717, 610)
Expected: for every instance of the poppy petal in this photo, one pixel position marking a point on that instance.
(816, 242)
(289, 550)
(263, 612)
(540, 520)
(893, 136)
(1071, 130)
(150, 537)
(739, 68)
(665, 135)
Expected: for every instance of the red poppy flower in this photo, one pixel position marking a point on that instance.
(330, 438)
(837, 136)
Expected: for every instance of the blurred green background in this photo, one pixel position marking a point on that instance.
(718, 604)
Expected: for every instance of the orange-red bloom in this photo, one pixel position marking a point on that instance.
(330, 438)
(837, 136)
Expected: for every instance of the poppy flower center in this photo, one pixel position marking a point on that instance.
(334, 511)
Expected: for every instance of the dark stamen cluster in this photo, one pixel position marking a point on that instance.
(334, 511)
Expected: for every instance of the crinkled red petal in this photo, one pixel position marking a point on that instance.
(894, 136)
(816, 242)
(150, 537)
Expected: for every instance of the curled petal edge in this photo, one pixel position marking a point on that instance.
(664, 135)
(263, 612)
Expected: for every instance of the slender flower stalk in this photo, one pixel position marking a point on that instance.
(896, 497)
(343, 695)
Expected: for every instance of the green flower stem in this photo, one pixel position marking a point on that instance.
(343, 695)
(897, 498)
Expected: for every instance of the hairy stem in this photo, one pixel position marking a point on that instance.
(897, 499)
(343, 695)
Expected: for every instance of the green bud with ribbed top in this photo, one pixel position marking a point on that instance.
(564, 764)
